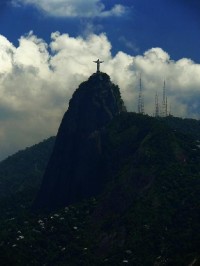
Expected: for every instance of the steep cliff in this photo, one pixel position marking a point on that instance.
(77, 167)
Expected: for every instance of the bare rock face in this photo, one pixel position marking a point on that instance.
(77, 167)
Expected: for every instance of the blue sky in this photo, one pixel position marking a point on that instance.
(47, 49)
(172, 25)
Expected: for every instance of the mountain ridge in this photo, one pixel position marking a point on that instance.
(147, 210)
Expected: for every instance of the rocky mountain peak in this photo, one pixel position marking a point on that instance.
(75, 169)
(95, 103)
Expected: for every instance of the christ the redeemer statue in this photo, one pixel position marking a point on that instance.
(98, 62)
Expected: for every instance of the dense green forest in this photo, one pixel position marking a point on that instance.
(147, 215)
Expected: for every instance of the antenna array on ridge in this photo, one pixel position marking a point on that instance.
(164, 102)
(161, 110)
(164, 107)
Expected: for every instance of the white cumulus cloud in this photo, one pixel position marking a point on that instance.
(73, 8)
(38, 79)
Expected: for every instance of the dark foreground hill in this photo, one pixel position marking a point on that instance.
(146, 213)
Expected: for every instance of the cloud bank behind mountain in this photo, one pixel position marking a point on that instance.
(37, 80)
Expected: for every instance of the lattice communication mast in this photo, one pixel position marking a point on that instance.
(164, 102)
(140, 98)
(157, 113)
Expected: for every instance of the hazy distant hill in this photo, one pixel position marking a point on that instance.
(23, 171)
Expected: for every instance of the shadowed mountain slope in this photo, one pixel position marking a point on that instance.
(131, 183)
(76, 169)
(147, 214)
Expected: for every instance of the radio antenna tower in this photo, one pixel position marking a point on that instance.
(156, 106)
(140, 98)
(164, 101)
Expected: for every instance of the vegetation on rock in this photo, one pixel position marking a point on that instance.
(146, 210)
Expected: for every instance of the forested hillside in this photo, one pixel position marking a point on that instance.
(148, 213)
(115, 188)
